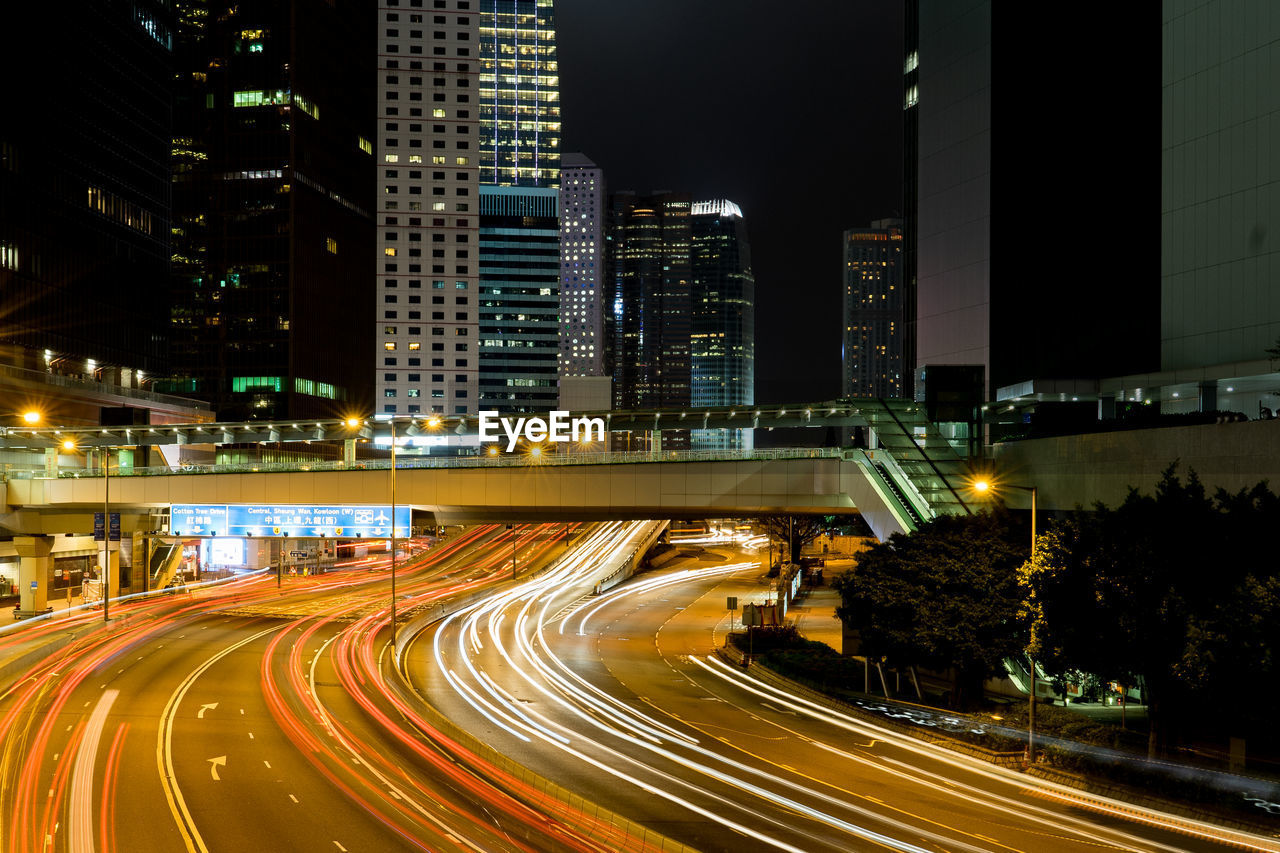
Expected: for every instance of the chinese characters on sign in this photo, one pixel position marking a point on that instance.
(327, 520)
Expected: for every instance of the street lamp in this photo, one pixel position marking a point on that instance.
(31, 417)
(983, 487)
(392, 423)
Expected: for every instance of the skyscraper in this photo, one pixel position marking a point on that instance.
(582, 218)
(519, 93)
(428, 209)
(999, 180)
(519, 298)
(84, 191)
(487, 75)
(722, 322)
(872, 298)
(273, 226)
(650, 242)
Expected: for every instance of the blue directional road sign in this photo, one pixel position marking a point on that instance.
(330, 521)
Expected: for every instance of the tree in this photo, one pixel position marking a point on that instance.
(1176, 589)
(799, 530)
(945, 597)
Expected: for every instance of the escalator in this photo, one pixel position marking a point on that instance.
(166, 559)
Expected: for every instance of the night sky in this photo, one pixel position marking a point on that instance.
(791, 109)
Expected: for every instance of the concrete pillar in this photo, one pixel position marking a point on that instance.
(349, 450)
(51, 462)
(34, 571)
(1106, 407)
(1208, 396)
(110, 577)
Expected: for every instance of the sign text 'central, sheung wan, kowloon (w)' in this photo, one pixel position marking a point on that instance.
(331, 521)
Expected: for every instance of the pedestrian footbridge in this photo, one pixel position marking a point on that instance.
(911, 475)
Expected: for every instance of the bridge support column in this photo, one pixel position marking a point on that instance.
(349, 450)
(655, 441)
(34, 571)
(51, 462)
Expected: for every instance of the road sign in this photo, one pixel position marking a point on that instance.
(297, 553)
(330, 521)
(35, 585)
(731, 602)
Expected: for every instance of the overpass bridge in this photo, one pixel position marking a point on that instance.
(910, 475)
(583, 486)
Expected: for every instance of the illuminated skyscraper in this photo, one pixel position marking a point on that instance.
(519, 103)
(873, 319)
(582, 216)
(84, 192)
(273, 176)
(650, 242)
(722, 323)
(469, 115)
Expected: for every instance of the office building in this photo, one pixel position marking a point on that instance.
(519, 93)
(650, 244)
(722, 294)
(519, 298)
(468, 98)
(582, 267)
(85, 195)
(1002, 185)
(872, 311)
(273, 174)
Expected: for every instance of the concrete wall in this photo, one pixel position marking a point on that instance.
(1082, 469)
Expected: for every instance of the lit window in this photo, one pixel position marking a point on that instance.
(415, 346)
(389, 346)
(331, 245)
(437, 113)
(390, 251)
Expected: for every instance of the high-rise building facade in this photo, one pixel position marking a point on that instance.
(998, 175)
(84, 191)
(519, 93)
(582, 267)
(428, 208)
(872, 352)
(722, 294)
(519, 298)
(273, 227)
(468, 100)
(650, 243)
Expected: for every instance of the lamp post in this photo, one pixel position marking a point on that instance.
(392, 422)
(982, 487)
(106, 534)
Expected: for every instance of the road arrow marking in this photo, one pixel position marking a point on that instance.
(203, 708)
(213, 766)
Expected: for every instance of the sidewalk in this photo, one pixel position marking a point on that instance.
(814, 615)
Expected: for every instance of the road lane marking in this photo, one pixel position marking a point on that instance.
(292, 797)
(268, 763)
(214, 763)
(191, 838)
(209, 707)
(81, 807)
(340, 847)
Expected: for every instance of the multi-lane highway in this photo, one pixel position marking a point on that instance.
(251, 717)
(623, 698)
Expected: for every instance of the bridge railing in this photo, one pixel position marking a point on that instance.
(502, 460)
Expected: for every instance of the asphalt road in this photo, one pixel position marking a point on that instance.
(634, 710)
(257, 718)
(255, 722)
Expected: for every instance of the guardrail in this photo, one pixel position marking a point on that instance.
(409, 463)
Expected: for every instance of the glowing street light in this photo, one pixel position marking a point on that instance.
(31, 417)
(983, 487)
